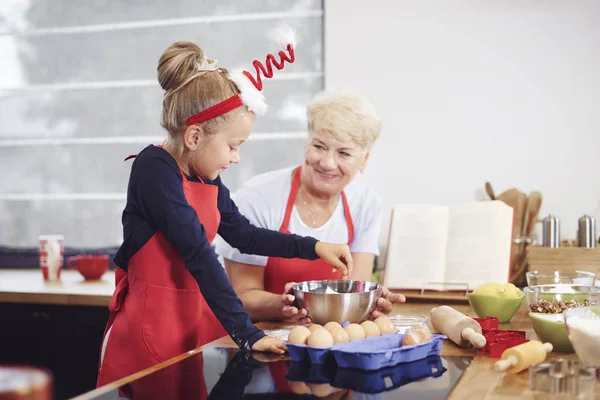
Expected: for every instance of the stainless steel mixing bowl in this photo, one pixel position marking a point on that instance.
(337, 300)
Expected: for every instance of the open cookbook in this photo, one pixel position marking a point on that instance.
(465, 243)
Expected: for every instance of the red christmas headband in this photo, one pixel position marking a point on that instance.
(250, 87)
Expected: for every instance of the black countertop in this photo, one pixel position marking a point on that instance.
(224, 373)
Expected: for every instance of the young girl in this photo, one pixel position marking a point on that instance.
(170, 282)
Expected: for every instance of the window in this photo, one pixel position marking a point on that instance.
(78, 93)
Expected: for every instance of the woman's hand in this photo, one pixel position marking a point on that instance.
(337, 255)
(386, 302)
(270, 344)
(289, 310)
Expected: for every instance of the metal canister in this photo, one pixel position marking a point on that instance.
(586, 233)
(551, 231)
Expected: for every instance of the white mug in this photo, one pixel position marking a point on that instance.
(51, 256)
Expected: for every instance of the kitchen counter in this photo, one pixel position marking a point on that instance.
(478, 381)
(55, 325)
(28, 286)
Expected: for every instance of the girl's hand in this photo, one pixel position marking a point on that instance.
(270, 344)
(337, 255)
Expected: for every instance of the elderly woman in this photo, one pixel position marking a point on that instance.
(320, 198)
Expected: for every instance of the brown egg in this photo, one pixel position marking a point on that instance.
(298, 335)
(425, 334)
(315, 326)
(416, 336)
(370, 328)
(355, 332)
(320, 339)
(298, 387)
(339, 335)
(320, 389)
(385, 325)
(331, 325)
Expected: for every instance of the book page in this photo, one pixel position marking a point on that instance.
(416, 251)
(479, 243)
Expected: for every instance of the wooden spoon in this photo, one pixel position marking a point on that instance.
(534, 204)
(490, 191)
(534, 210)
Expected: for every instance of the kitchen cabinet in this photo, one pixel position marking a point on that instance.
(65, 339)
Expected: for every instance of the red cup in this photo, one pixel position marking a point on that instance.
(51, 276)
(51, 256)
(91, 266)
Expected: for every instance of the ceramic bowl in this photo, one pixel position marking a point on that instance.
(583, 329)
(546, 304)
(503, 308)
(551, 328)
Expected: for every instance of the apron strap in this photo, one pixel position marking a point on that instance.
(121, 290)
(349, 221)
(129, 157)
(292, 199)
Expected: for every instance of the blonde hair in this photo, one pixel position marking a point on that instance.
(344, 114)
(189, 91)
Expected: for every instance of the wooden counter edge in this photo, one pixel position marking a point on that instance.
(55, 299)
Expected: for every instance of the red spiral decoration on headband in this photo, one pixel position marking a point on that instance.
(270, 61)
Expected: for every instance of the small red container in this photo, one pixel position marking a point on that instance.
(92, 266)
(499, 340)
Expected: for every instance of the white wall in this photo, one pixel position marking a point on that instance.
(78, 92)
(474, 91)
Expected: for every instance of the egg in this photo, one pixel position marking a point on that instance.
(385, 325)
(355, 332)
(320, 339)
(298, 387)
(416, 336)
(330, 325)
(339, 335)
(320, 389)
(315, 326)
(298, 335)
(370, 328)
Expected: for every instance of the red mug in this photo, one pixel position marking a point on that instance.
(91, 266)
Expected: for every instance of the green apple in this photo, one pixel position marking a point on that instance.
(490, 289)
(511, 290)
(498, 289)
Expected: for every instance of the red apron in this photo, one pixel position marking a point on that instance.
(180, 381)
(157, 310)
(280, 271)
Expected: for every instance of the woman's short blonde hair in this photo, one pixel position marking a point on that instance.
(344, 115)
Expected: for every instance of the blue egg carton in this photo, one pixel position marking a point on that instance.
(311, 373)
(378, 381)
(372, 353)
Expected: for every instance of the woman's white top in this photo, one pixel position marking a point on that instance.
(263, 200)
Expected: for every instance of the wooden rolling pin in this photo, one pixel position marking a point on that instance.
(519, 358)
(459, 328)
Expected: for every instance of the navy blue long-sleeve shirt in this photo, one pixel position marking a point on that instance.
(156, 202)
